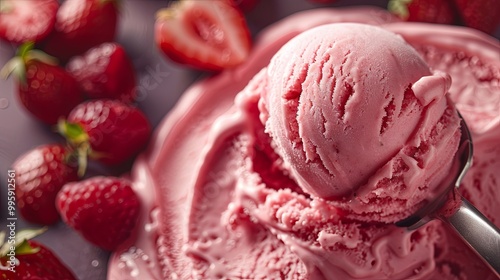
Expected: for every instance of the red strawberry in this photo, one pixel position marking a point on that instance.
(483, 15)
(107, 130)
(81, 25)
(32, 260)
(208, 35)
(45, 89)
(40, 174)
(104, 210)
(28, 20)
(432, 11)
(105, 71)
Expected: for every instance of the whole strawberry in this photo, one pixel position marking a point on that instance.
(323, 1)
(207, 35)
(105, 71)
(45, 89)
(106, 130)
(104, 210)
(431, 11)
(81, 25)
(483, 15)
(27, 20)
(244, 5)
(40, 174)
(32, 260)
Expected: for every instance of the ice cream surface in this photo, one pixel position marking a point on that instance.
(222, 200)
(358, 116)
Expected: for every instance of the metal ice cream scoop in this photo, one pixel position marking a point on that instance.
(470, 224)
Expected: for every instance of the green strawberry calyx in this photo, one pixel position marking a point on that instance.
(399, 8)
(6, 7)
(79, 142)
(25, 53)
(78, 139)
(169, 13)
(18, 243)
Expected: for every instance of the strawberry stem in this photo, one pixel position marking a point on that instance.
(117, 3)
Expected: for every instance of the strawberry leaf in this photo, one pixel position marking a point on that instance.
(41, 56)
(5, 7)
(117, 3)
(17, 65)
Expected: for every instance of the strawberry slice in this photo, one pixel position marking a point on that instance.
(208, 35)
(27, 20)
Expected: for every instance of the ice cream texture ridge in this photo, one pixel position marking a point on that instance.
(297, 164)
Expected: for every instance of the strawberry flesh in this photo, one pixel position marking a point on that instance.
(27, 20)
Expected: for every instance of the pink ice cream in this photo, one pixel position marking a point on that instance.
(358, 116)
(222, 201)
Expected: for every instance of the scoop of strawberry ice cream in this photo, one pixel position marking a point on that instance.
(217, 204)
(358, 117)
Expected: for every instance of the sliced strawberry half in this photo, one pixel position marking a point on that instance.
(208, 35)
(27, 20)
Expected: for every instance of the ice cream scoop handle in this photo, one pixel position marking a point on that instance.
(478, 232)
